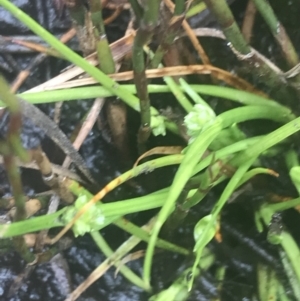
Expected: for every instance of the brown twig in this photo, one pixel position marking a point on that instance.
(86, 126)
(119, 49)
(23, 75)
(84, 131)
(159, 150)
(110, 261)
(193, 38)
(114, 15)
(49, 177)
(220, 74)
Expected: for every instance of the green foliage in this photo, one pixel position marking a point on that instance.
(199, 231)
(216, 142)
(91, 220)
(295, 177)
(198, 119)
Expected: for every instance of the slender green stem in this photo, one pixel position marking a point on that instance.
(109, 211)
(290, 273)
(172, 84)
(143, 36)
(137, 9)
(268, 141)
(124, 270)
(278, 31)
(15, 122)
(231, 30)
(291, 159)
(196, 9)
(284, 205)
(105, 58)
(292, 251)
(181, 98)
(8, 149)
(192, 93)
(73, 57)
(193, 154)
(235, 95)
(205, 179)
(230, 187)
(191, 158)
(117, 255)
(47, 221)
(144, 236)
(169, 34)
(225, 152)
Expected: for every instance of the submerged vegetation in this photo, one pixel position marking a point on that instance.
(223, 151)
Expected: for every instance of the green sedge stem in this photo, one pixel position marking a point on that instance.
(268, 141)
(73, 57)
(191, 158)
(230, 187)
(125, 271)
(241, 97)
(284, 205)
(47, 221)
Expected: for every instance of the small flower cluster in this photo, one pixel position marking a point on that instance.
(90, 221)
(198, 120)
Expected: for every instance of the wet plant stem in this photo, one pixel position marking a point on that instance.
(82, 23)
(278, 32)
(146, 167)
(105, 58)
(268, 141)
(230, 187)
(235, 95)
(14, 178)
(12, 146)
(224, 16)
(173, 85)
(116, 256)
(124, 270)
(13, 174)
(49, 177)
(73, 57)
(15, 121)
(287, 242)
(137, 9)
(77, 12)
(191, 35)
(110, 211)
(143, 36)
(243, 51)
(195, 152)
(284, 205)
(170, 33)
